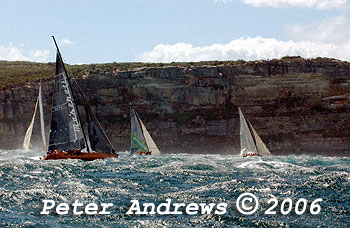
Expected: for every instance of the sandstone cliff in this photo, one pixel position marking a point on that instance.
(296, 105)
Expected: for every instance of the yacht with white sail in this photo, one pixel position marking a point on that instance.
(251, 143)
(27, 138)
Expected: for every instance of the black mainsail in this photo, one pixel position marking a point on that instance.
(66, 131)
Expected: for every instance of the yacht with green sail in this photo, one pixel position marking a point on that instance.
(141, 141)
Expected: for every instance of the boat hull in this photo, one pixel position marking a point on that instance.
(250, 155)
(81, 156)
(144, 153)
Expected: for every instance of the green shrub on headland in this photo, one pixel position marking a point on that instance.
(19, 73)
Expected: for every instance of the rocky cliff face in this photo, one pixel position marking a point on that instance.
(296, 106)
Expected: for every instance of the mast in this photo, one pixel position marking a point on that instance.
(70, 87)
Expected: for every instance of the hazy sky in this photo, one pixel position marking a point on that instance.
(97, 31)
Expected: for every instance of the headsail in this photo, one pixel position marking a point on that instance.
(66, 131)
(138, 142)
(42, 122)
(99, 141)
(250, 140)
(149, 141)
(27, 137)
(262, 149)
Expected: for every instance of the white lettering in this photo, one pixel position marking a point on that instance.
(177, 206)
(62, 209)
(167, 208)
(221, 208)
(152, 206)
(69, 100)
(206, 209)
(192, 209)
(91, 209)
(104, 207)
(75, 205)
(46, 207)
(135, 206)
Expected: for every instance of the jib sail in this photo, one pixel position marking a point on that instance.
(99, 141)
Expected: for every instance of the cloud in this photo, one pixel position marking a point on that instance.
(66, 41)
(326, 38)
(318, 4)
(333, 30)
(247, 49)
(11, 53)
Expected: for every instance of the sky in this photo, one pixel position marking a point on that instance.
(101, 31)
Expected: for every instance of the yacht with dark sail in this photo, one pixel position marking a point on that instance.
(141, 141)
(251, 143)
(67, 139)
(27, 138)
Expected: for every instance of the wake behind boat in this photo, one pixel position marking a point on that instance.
(251, 143)
(67, 139)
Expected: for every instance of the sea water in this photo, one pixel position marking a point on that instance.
(25, 181)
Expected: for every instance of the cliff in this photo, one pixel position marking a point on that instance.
(296, 105)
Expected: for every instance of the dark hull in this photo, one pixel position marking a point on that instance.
(82, 156)
(144, 153)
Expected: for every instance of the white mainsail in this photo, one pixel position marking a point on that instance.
(250, 140)
(246, 138)
(27, 137)
(149, 141)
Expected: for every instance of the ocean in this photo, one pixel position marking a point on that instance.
(26, 182)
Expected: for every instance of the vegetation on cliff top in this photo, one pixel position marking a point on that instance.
(19, 73)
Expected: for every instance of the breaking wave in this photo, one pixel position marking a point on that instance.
(25, 181)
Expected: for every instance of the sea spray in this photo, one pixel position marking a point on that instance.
(183, 178)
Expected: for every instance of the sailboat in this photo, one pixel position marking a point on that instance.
(141, 141)
(67, 138)
(251, 143)
(27, 138)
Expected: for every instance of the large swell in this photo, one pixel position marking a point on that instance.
(25, 181)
